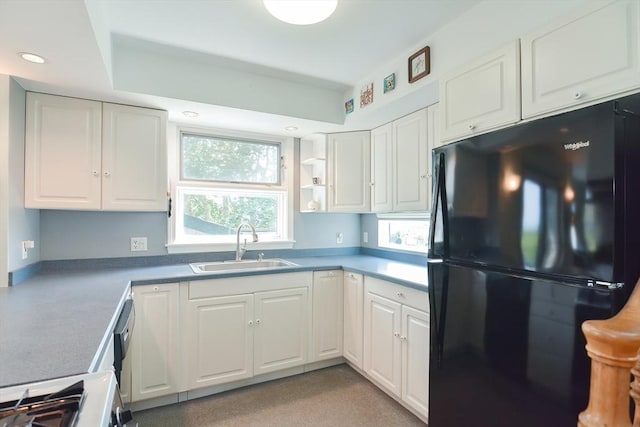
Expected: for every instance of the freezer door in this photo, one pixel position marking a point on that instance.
(508, 350)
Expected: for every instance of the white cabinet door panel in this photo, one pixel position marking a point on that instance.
(382, 344)
(353, 317)
(349, 172)
(134, 159)
(281, 329)
(590, 54)
(327, 314)
(482, 95)
(382, 168)
(155, 345)
(415, 359)
(220, 340)
(62, 152)
(410, 162)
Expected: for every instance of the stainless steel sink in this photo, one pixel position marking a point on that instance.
(265, 264)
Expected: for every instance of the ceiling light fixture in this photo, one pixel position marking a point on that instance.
(190, 114)
(32, 57)
(291, 128)
(301, 12)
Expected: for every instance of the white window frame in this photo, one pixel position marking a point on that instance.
(175, 184)
(383, 240)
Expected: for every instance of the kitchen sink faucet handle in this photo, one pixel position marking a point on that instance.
(260, 256)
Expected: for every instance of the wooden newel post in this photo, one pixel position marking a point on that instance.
(612, 345)
(635, 392)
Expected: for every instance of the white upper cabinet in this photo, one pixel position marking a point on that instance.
(482, 95)
(382, 168)
(349, 171)
(401, 162)
(88, 155)
(62, 152)
(411, 162)
(590, 54)
(134, 159)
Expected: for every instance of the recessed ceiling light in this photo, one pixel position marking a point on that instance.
(299, 12)
(32, 57)
(190, 114)
(291, 128)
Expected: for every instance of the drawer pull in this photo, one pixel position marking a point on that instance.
(258, 321)
(472, 126)
(577, 95)
(399, 294)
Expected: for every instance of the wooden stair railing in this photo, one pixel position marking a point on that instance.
(612, 345)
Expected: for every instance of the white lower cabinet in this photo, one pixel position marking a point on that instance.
(154, 343)
(327, 315)
(353, 317)
(396, 341)
(281, 330)
(233, 333)
(214, 324)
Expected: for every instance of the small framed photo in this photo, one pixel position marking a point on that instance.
(366, 95)
(348, 106)
(419, 64)
(390, 82)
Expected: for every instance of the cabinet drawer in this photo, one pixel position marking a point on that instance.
(398, 293)
(247, 284)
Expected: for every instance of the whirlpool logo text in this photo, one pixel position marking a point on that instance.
(576, 145)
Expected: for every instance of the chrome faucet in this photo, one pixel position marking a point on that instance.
(241, 251)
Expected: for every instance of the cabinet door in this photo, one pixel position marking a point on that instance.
(349, 172)
(62, 152)
(415, 359)
(134, 159)
(410, 162)
(219, 337)
(353, 317)
(590, 54)
(382, 344)
(327, 314)
(482, 95)
(281, 329)
(154, 344)
(382, 168)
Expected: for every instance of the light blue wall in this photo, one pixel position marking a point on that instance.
(80, 235)
(369, 223)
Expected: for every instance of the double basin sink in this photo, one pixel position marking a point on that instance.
(248, 265)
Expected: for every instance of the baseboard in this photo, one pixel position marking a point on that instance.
(208, 391)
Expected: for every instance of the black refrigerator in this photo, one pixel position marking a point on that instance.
(534, 229)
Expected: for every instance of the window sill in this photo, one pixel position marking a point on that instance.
(183, 248)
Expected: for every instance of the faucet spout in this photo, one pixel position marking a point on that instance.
(240, 251)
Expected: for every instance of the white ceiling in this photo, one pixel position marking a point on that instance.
(75, 38)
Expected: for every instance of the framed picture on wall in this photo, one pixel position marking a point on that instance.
(419, 64)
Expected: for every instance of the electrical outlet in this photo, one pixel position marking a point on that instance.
(138, 244)
(27, 244)
(339, 237)
(365, 237)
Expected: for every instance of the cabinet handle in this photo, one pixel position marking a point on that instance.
(403, 338)
(399, 294)
(472, 126)
(577, 95)
(371, 184)
(352, 276)
(396, 334)
(250, 322)
(107, 174)
(423, 176)
(258, 321)
(156, 289)
(96, 173)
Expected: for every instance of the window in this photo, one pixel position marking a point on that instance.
(405, 232)
(225, 179)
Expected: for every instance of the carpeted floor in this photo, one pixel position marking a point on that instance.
(336, 396)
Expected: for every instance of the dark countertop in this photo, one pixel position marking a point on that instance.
(57, 323)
